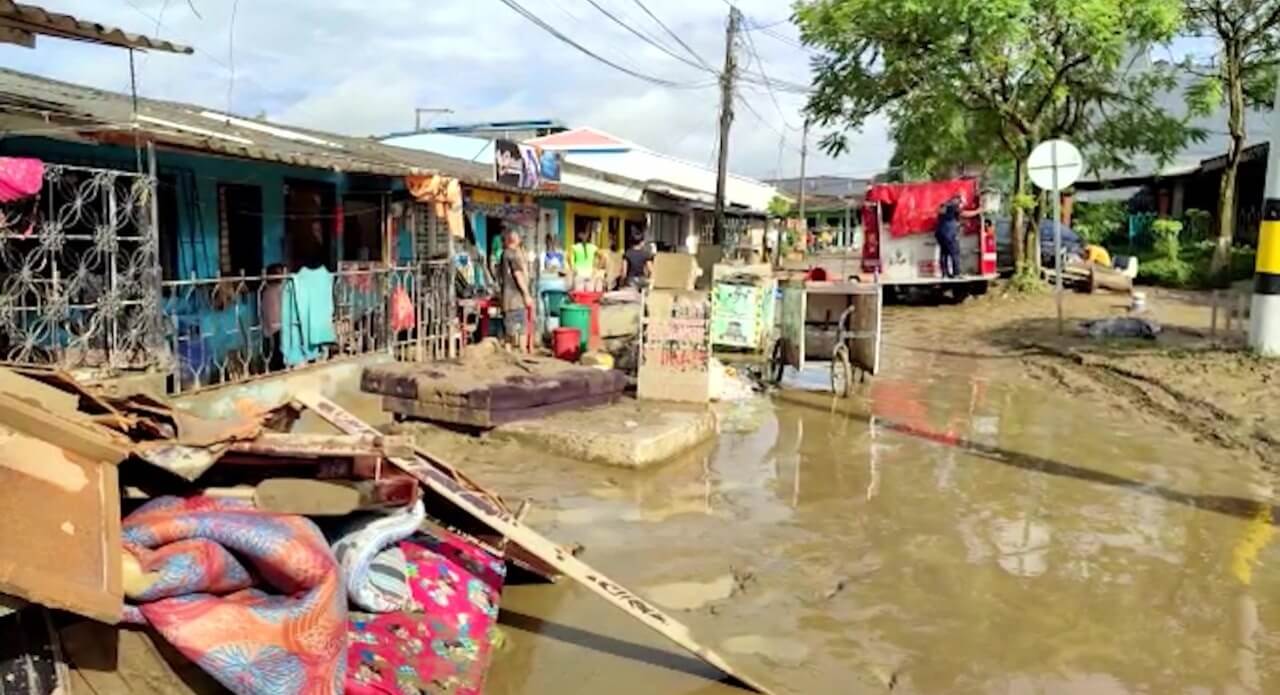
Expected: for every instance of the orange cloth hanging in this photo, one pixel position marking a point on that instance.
(445, 193)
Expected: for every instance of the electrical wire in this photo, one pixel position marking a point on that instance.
(643, 37)
(751, 47)
(537, 21)
(231, 54)
(675, 36)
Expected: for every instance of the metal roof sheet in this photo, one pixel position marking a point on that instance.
(21, 23)
(69, 111)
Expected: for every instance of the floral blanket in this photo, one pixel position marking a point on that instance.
(253, 598)
(442, 644)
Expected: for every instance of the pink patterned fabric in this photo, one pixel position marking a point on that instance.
(203, 558)
(445, 648)
(20, 178)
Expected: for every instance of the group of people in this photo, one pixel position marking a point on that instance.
(586, 264)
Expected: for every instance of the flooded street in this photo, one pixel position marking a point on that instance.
(960, 528)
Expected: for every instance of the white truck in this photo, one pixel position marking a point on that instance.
(899, 243)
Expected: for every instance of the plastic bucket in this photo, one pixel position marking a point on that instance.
(592, 300)
(566, 343)
(554, 300)
(577, 316)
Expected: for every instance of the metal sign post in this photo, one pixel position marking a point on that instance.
(1053, 166)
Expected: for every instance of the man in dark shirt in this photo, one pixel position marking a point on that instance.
(637, 264)
(948, 235)
(517, 302)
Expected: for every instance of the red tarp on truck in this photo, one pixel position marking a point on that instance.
(912, 208)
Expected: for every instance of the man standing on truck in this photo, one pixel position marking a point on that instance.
(948, 234)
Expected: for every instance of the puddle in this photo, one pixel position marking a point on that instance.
(687, 596)
(779, 651)
(956, 528)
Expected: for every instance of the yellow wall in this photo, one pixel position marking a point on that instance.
(485, 196)
(573, 210)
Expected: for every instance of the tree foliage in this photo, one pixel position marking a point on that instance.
(965, 81)
(1243, 75)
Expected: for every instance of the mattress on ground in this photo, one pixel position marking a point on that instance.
(522, 383)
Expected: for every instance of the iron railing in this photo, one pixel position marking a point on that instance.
(232, 330)
(80, 274)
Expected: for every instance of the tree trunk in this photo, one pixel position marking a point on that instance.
(1018, 215)
(1235, 152)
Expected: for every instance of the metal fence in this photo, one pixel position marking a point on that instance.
(80, 275)
(232, 330)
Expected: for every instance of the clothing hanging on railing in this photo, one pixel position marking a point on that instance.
(307, 315)
(20, 177)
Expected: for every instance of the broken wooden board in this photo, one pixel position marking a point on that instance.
(61, 540)
(504, 522)
(186, 462)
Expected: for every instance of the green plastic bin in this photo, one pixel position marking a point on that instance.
(577, 316)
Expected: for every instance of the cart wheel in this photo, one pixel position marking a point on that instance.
(776, 364)
(841, 372)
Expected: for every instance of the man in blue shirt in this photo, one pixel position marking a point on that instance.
(948, 234)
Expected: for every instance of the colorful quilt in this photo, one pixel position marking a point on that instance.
(444, 646)
(253, 598)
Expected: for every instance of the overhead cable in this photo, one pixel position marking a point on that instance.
(643, 37)
(675, 36)
(537, 21)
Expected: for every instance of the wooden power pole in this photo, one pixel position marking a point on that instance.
(726, 116)
(804, 157)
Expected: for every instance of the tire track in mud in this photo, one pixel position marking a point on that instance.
(1156, 398)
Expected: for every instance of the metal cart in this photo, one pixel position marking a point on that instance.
(837, 322)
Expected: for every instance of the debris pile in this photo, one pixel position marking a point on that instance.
(212, 555)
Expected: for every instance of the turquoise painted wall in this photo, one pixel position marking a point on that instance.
(197, 179)
(559, 206)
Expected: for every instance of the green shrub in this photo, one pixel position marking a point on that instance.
(1167, 233)
(1167, 272)
(1105, 224)
(1199, 225)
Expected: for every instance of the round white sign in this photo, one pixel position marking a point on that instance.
(1055, 156)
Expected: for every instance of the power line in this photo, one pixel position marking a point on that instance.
(537, 21)
(231, 53)
(751, 46)
(645, 38)
(675, 36)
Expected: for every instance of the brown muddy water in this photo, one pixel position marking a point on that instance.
(957, 529)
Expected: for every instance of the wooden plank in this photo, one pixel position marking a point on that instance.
(504, 522)
(61, 541)
(186, 462)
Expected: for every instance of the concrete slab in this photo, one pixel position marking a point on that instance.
(629, 434)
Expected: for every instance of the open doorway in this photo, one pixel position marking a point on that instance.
(309, 224)
(239, 229)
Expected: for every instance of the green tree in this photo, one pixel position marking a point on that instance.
(1244, 74)
(986, 80)
(780, 207)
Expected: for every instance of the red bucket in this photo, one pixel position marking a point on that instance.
(566, 344)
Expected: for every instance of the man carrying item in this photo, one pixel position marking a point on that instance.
(948, 234)
(517, 302)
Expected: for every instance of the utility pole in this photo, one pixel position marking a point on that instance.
(1264, 329)
(804, 157)
(727, 77)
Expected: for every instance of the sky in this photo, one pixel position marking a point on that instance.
(340, 66)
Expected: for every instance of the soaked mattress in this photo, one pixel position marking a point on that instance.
(490, 392)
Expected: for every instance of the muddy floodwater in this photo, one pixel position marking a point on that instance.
(959, 528)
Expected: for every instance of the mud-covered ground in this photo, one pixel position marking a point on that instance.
(1003, 510)
(1190, 377)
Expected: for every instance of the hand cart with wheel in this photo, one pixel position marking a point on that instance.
(837, 322)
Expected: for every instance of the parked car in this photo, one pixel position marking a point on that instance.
(1071, 244)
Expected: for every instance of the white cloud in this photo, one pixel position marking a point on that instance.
(340, 65)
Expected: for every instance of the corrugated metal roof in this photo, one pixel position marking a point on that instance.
(21, 23)
(68, 111)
